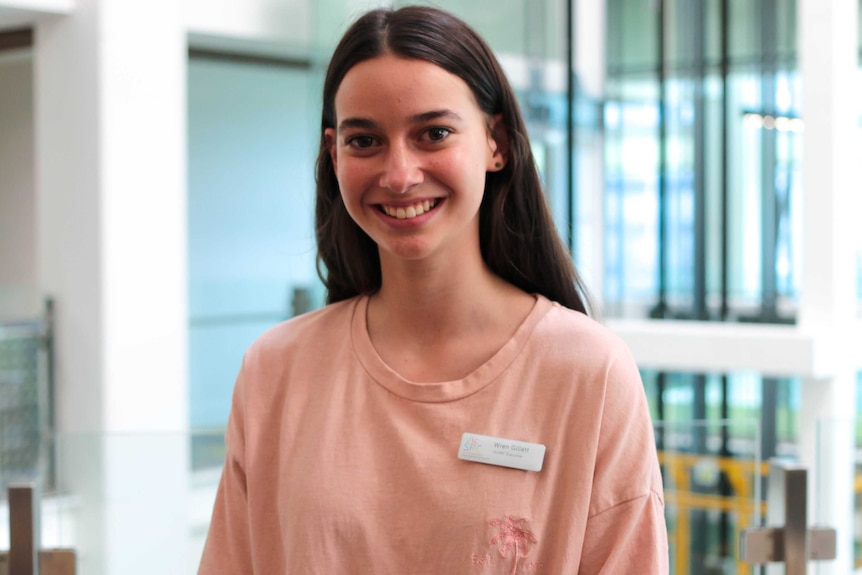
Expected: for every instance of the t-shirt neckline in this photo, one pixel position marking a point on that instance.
(453, 390)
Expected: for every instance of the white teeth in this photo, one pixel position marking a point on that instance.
(403, 213)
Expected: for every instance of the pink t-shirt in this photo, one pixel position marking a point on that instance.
(336, 464)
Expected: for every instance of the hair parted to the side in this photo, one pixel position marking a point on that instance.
(518, 239)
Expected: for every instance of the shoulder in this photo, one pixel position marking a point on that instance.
(572, 347)
(581, 338)
(289, 352)
(576, 322)
(311, 329)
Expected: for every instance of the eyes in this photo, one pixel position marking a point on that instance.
(360, 142)
(428, 137)
(437, 134)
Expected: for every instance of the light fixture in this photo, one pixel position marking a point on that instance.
(773, 122)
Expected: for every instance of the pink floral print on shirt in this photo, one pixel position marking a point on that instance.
(513, 534)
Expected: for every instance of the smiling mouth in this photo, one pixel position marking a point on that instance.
(411, 211)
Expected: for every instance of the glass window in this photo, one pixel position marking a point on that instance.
(251, 198)
(692, 231)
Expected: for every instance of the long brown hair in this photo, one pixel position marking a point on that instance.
(517, 235)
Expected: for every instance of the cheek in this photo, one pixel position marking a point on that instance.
(467, 172)
(455, 166)
(351, 176)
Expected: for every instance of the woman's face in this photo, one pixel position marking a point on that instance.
(411, 149)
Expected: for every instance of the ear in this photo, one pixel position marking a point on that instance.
(329, 138)
(498, 144)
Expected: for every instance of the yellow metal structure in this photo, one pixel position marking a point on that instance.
(680, 468)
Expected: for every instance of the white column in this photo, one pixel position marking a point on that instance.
(111, 210)
(828, 52)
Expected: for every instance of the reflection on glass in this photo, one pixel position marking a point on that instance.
(710, 495)
(692, 231)
(251, 197)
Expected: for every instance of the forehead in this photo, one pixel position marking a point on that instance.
(393, 84)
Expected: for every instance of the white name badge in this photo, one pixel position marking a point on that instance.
(499, 451)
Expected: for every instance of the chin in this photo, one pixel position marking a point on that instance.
(410, 251)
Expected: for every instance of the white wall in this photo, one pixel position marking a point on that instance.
(274, 27)
(262, 19)
(110, 167)
(279, 23)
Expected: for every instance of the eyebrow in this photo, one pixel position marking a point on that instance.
(368, 124)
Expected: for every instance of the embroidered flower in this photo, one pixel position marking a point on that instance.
(513, 534)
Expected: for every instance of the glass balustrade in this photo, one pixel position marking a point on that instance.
(837, 496)
(712, 481)
(140, 503)
(129, 503)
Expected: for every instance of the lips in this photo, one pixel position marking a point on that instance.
(409, 211)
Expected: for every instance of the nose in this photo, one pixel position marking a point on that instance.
(401, 169)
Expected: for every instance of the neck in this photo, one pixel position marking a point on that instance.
(440, 322)
(429, 300)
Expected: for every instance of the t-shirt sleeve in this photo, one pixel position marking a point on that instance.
(626, 530)
(628, 538)
(228, 546)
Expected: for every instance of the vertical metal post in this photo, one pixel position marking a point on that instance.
(787, 509)
(787, 538)
(724, 485)
(24, 530)
(776, 503)
(796, 524)
(724, 274)
(571, 110)
(50, 437)
(699, 306)
(660, 384)
(25, 556)
(661, 308)
(725, 170)
(769, 217)
(769, 417)
(699, 520)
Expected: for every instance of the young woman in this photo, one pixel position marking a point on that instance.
(452, 409)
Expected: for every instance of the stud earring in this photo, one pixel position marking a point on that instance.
(498, 165)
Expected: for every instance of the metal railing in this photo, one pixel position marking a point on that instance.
(682, 499)
(27, 400)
